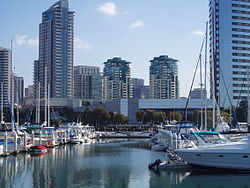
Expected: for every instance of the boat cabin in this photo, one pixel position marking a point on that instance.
(205, 137)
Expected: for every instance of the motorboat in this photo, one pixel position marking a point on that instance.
(178, 164)
(170, 137)
(38, 149)
(173, 163)
(158, 147)
(75, 139)
(218, 154)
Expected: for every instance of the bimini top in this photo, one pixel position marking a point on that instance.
(186, 126)
(183, 122)
(34, 127)
(207, 132)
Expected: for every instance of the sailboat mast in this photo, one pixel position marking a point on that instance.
(17, 106)
(48, 105)
(12, 89)
(213, 94)
(38, 105)
(205, 79)
(1, 102)
(45, 97)
(201, 87)
(248, 100)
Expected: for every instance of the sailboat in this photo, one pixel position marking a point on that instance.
(228, 155)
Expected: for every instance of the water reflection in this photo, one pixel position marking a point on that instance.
(217, 180)
(199, 179)
(119, 164)
(168, 178)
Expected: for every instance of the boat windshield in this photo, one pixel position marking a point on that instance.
(212, 137)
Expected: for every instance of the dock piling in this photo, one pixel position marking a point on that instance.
(33, 138)
(40, 137)
(5, 142)
(15, 141)
(25, 141)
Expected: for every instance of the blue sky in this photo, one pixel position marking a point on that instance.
(135, 30)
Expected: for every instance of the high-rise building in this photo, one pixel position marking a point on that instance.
(140, 91)
(163, 79)
(116, 79)
(5, 75)
(137, 82)
(18, 89)
(229, 22)
(198, 93)
(29, 92)
(87, 82)
(55, 65)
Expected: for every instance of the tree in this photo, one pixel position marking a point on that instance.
(175, 116)
(139, 116)
(241, 111)
(158, 117)
(149, 116)
(226, 116)
(101, 117)
(117, 118)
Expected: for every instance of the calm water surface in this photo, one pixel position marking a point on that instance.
(109, 165)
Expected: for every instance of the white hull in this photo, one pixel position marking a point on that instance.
(234, 156)
(239, 161)
(76, 141)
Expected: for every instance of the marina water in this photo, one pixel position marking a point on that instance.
(107, 164)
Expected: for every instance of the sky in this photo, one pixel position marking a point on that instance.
(135, 30)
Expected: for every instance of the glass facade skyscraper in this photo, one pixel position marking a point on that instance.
(55, 64)
(5, 75)
(229, 36)
(116, 79)
(163, 75)
(18, 89)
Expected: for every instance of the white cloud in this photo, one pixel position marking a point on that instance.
(137, 24)
(81, 44)
(25, 40)
(198, 32)
(108, 8)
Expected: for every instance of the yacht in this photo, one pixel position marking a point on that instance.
(168, 138)
(218, 153)
(74, 139)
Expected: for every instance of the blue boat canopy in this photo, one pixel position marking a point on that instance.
(186, 126)
(207, 132)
